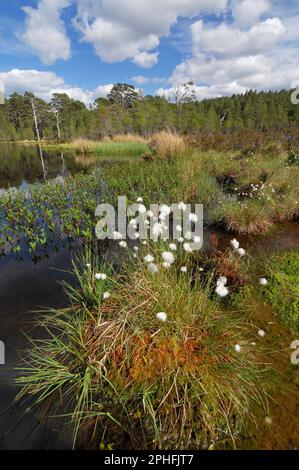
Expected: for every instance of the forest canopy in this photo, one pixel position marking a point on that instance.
(125, 110)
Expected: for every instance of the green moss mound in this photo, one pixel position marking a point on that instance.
(283, 288)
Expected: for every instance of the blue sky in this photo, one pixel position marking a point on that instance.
(82, 47)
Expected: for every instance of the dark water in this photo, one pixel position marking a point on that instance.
(21, 165)
(25, 287)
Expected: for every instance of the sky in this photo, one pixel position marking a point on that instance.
(83, 47)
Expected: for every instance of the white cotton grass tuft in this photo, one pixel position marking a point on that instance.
(117, 235)
(188, 235)
(241, 252)
(193, 218)
(88, 265)
(141, 209)
(106, 295)
(187, 247)
(235, 244)
(133, 222)
(166, 265)
(179, 228)
(237, 348)
(222, 280)
(148, 258)
(152, 268)
(184, 269)
(162, 316)
(263, 281)
(221, 290)
(100, 276)
(157, 229)
(261, 333)
(196, 239)
(182, 206)
(268, 420)
(168, 257)
(135, 248)
(172, 246)
(123, 244)
(164, 211)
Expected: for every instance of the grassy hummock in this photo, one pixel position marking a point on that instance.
(148, 358)
(283, 289)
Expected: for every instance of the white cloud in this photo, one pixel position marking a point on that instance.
(247, 12)
(204, 91)
(142, 80)
(146, 59)
(229, 41)
(103, 90)
(116, 31)
(45, 33)
(253, 44)
(44, 84)
(132, 32)
(246, 54)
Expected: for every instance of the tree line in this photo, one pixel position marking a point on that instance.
(125, 110)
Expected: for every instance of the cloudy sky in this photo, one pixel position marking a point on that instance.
(81, 47)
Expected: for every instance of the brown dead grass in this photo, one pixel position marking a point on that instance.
(167, 145)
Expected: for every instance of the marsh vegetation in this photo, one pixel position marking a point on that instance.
(159, 346)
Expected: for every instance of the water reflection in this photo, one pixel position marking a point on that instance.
(21, 165)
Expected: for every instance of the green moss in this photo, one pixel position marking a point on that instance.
(283, 288)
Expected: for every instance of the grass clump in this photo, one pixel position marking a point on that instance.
(118, 147)
(283, 288)
(166, 145)
(128, 138)
(250, 217)
(119, 369)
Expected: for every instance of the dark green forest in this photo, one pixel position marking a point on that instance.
(126, 111)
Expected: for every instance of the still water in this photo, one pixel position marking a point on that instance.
(21, 165)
